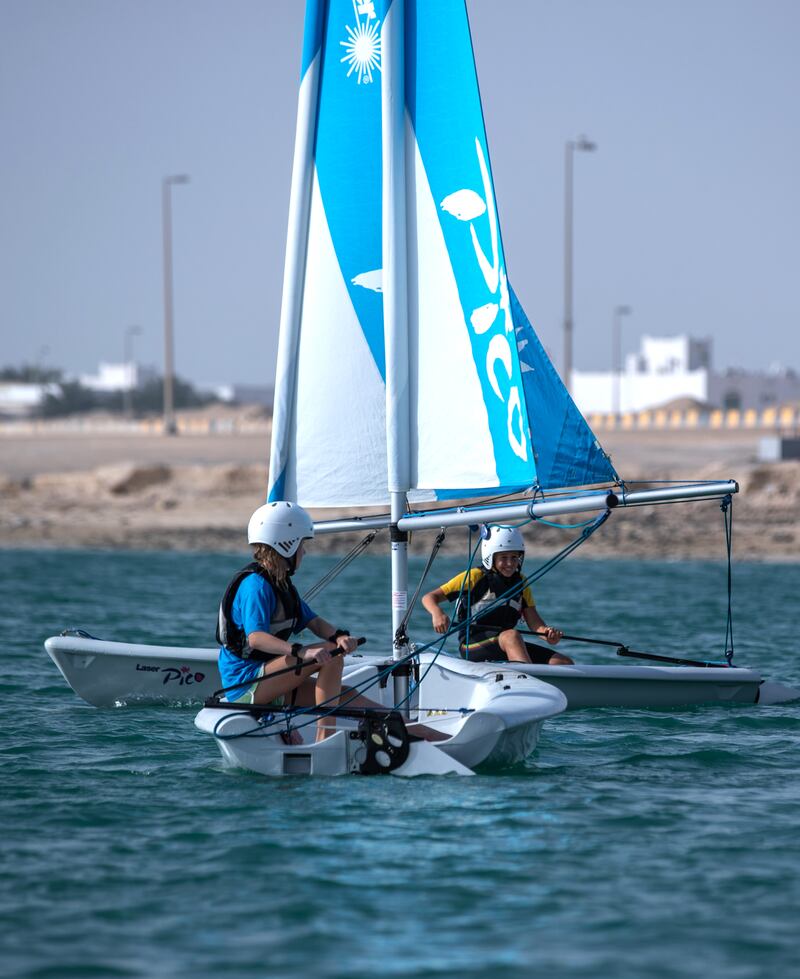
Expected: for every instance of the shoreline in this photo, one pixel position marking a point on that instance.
(196, 493)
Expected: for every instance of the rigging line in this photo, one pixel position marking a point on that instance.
(543, 569)
(535, 575)
(355, 689)
(441, 641)
(358, 688)
(564, 526)
(669, 482)
(727, 516)
(472, 552)
(655, 503)
(267, 718)
(453, 627)
(415, 685)
(361, 686)
(530, 495)
(500, 498)
(401, 629)
(337, 569)
(318, 712)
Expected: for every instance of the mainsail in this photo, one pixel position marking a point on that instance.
(395, 289)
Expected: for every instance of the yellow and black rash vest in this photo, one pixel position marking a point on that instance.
(481, 590)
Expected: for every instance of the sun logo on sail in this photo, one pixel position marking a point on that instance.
(363, 44)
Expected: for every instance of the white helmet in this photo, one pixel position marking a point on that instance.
(282, 525)
(497, 539)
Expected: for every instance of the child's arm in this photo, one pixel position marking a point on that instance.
(536, 623)
(431, 603)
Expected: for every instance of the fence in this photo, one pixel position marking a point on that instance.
(784, 418)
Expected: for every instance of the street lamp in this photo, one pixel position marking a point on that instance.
(167, 183)
(616, 354)
(582, 145)
(127, 359)
(40, 361)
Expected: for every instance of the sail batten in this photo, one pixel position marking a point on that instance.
(406, 364)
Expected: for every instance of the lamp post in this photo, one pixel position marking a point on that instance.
(616, 354)
(581, 145)
(167, 183)
(40, 361)
(127, 359)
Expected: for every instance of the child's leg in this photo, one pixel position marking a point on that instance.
(327, 690)
(513, 645)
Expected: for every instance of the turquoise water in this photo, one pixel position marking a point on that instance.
(633, 843)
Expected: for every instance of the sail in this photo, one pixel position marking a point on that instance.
(329, 430)
(567, 450)
(399, 364)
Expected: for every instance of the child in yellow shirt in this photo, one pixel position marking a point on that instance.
(493, 635)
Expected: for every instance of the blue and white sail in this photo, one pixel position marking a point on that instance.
(567, 450)
(405, 363)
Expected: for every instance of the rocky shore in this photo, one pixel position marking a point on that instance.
(98, 490)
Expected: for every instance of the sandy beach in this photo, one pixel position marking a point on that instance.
(94, 487)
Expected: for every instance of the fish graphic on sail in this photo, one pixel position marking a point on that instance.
(474, 404)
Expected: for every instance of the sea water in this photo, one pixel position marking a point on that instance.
(633, 843)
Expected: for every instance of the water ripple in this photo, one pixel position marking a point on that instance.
(633, 843)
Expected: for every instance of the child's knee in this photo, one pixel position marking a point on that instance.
(335, 665)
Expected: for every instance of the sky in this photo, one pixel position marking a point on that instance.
(688, 211)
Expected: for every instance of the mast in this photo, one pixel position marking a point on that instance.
(395, 311)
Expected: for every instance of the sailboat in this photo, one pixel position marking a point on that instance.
(410, 378)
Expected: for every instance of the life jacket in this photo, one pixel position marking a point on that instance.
(486, 591)
(285, 618)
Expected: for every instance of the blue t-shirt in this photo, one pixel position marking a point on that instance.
(252, 611)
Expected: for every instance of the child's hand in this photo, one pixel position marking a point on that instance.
(552, 635)
(319, 653)
(441, 621)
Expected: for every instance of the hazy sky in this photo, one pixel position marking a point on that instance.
(689, 211)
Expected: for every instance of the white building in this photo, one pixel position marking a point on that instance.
(668, 368)
(240, 394)
(117, 377)
(21, 400)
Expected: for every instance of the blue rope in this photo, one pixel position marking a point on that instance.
(566, 526)
(441, 641)
(359, 688)
(540, 572)
(270, 720)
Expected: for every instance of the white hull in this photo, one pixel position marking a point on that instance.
(651, 686)
(487, 720)
(115, 674)
(110, 674)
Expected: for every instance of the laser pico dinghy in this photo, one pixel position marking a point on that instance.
(118, 674)
(395, 270)
(477, 715)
